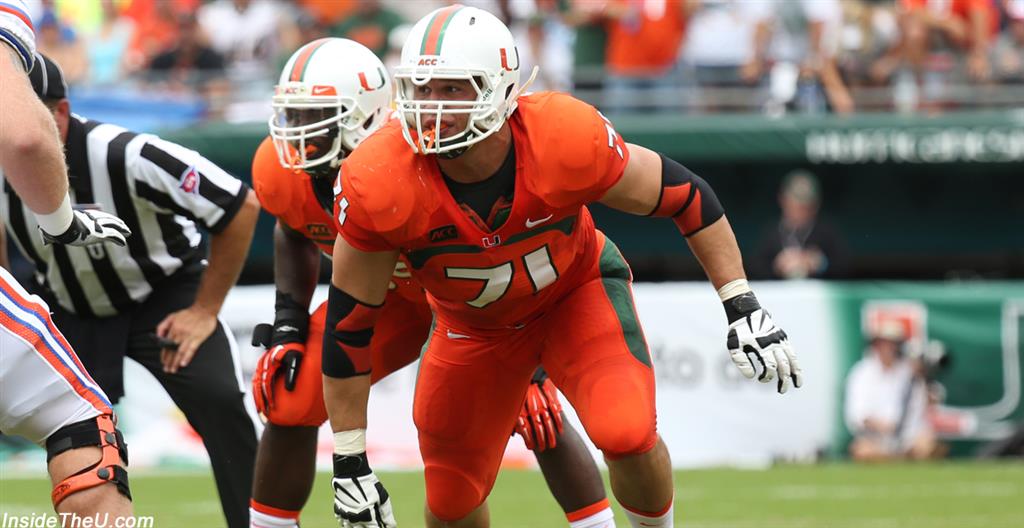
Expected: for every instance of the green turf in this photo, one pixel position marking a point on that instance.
(832, 496)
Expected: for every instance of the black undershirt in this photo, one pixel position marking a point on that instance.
(490, 199)
(323, 189)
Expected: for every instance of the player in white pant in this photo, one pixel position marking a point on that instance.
(45, 393)
(43, 386)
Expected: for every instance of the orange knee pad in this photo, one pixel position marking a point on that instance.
(628, 443)
(96, 432)
(619, 435)
(451, 494)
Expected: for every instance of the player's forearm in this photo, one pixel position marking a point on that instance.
(228, 250)
(30, 149)
(296, 264)
(358, 288)
(346, 400)
(716, 248)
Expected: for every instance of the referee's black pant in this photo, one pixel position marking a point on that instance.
(207, 390)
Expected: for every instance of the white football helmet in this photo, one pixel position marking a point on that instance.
(465, 43)
(332, 94)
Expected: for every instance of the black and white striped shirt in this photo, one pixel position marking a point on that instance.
(163, 191)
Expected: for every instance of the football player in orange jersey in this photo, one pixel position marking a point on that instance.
(332, 94)
(488, 208)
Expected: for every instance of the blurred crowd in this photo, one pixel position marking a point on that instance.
(219, 58)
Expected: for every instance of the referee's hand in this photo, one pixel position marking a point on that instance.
(190, 328)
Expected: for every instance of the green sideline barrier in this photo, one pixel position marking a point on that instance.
(968, 137)
(974, 137)
(942, 190)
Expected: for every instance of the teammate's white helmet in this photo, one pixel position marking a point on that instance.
(332, 94)
(457, 42)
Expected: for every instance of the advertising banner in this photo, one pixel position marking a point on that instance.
(708, 414)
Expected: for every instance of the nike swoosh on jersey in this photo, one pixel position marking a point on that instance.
(530, 224)
(453, 335)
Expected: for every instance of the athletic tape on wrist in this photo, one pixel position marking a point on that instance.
(351, 442)
(57, 222)
(733, 288)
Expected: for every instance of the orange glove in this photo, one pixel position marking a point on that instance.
(281, 360)
(540, 420)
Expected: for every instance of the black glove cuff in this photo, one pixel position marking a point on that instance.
(350, 466)
(740, 306)
(291, 321)
(71, 234)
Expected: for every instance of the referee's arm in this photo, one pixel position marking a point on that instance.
(224, 207)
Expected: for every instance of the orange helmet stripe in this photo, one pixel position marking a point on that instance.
(299, 68)
(435, 30)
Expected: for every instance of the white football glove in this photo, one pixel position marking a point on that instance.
(754, 341)
(88, 227)
(360, 500)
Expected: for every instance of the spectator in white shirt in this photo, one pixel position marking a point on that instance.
(887, 401)
(245, 32)
(799, 40)
(719, 43)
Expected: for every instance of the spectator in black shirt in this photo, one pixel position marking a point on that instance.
(801, 245)
(191, 64)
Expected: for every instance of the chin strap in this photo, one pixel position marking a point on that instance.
(529, 81)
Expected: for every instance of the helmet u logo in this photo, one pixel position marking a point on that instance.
(504, 60)
(366, 85)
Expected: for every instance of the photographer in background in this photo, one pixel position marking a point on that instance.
(887, 402)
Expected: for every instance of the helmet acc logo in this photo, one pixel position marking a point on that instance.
(425, 61)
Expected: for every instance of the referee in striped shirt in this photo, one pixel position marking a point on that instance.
(111, 302)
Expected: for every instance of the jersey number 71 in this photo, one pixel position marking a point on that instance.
(498, 279)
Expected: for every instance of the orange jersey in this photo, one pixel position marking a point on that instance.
(289, 196)
(567, 155)
(961, 9)
(646, 40)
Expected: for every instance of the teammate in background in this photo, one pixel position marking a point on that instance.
(45, 393)
(521, 277)
(332, 94)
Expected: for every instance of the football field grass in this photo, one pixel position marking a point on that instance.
(953, 495)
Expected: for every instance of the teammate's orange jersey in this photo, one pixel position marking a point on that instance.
(567, 155)
(962, 9)
(289, 196)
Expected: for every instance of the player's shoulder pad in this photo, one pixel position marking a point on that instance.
(569, 140)
(386, 183)
(274, 184)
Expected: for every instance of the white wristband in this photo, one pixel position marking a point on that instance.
(352, 442)
(57, 222)
(733, 288)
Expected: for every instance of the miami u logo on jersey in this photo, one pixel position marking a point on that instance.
(490, 242)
